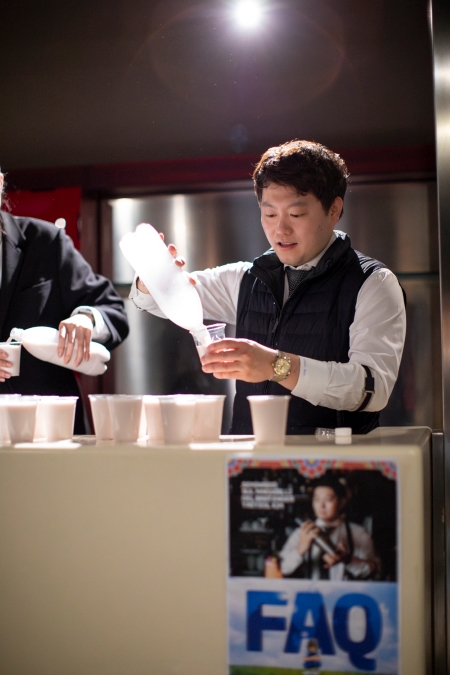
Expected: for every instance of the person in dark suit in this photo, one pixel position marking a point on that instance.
(45, 281)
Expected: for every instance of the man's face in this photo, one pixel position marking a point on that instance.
(296, 226)
(326, 504)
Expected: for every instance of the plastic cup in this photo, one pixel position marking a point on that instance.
(142, 435)
(13, 351)
(208, 418)
(125, 411)
(4, 432)
(21, 418)
(152, 410)
(178, 414)
(40, 432)
(269, 418)
(57, 417)
(101, 417)
(206, 335)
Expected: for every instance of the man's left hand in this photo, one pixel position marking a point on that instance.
(239, 359)
(75, 333)
(245, 360)
(331, 559)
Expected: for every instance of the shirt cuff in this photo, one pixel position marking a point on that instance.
(100, 331)
(312, 380)
(142, 300)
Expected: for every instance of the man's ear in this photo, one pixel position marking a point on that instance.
(342, 504)
(336, 209)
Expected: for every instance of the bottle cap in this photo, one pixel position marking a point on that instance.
(343, 431)
(17, 334)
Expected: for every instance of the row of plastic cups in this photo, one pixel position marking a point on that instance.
(173, 420)
(24, 419)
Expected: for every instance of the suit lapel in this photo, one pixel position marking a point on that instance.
(12, 259)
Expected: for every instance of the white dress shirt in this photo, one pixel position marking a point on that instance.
(377, 334)
(362, 564)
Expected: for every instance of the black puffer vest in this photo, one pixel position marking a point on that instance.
(314, 322)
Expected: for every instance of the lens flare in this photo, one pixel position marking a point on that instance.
(248, 13)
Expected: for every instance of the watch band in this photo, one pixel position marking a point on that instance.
(87, 313)
(279, 377)
(369, 389)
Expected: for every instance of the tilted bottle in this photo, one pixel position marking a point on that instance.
(169, 285)
(42, 342)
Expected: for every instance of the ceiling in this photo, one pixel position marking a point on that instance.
(113, 81)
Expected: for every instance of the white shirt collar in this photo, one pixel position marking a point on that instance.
(314, 261)
(322, 524)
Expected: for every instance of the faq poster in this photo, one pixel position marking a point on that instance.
(312, 582)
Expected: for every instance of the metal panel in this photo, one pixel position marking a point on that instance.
(209, 229)
(395, 223)
(417, 395)
(441, 54)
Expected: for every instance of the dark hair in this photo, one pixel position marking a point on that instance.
(305, 166)
(334, 484)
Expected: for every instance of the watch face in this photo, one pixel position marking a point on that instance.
(282, 366)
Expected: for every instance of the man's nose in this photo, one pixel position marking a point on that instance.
(284, 224)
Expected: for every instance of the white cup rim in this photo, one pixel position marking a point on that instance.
(57, 399)
(266, 397)
(26, 399)
(129, 397)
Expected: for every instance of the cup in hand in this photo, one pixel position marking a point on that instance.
(56, 416)
(208, 418)
(21, 417)
(178, 413)
(13, 351)
(101, 416)
(152, 409)
(125, 411)
(208, 334)
(269, 418)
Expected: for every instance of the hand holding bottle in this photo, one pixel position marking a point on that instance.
(180, 262)
(75, 333)
(307, 534)
(338, 556)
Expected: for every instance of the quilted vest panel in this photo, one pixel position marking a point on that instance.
(314, 322)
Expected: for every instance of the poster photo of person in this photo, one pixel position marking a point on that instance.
(313, 565)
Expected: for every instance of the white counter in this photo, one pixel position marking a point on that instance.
(113, 558)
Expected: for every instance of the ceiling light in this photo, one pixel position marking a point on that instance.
(248, 13)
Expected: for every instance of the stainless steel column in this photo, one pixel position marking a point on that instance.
(441, 53)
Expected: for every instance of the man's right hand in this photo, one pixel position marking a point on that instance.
(4, 363)
(141, 286)
(180, 262)
(308, 531)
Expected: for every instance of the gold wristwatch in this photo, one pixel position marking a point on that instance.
(281, 367)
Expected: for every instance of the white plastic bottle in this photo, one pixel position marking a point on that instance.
(169, 285)
(42, 342)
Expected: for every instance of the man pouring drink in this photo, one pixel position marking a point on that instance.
(313, 316)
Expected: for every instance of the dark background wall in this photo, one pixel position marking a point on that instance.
(105, 81)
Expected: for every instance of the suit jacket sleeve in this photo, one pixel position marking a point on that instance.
(80, 286)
